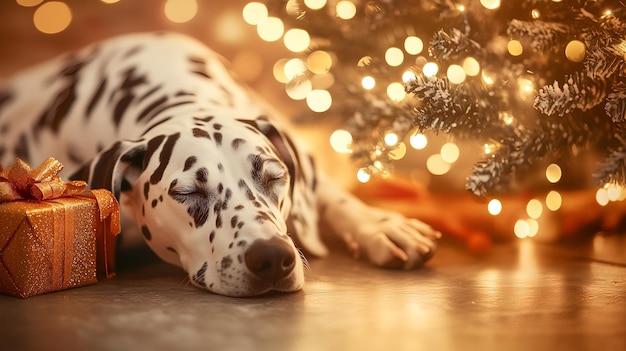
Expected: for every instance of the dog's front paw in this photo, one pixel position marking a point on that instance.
(391, 240)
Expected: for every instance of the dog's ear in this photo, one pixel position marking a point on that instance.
(282, 143)
(114, 168)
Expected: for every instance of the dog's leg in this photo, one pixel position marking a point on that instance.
(386, 238)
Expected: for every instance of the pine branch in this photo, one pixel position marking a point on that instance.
(612, 169)
(453, 45)
(615, 106)
(543, 36)
(580, 92)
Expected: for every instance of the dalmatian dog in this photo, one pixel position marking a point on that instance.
(213, 182)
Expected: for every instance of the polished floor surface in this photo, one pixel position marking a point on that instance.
(519, 296)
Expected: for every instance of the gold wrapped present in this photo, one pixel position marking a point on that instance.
(53, 234)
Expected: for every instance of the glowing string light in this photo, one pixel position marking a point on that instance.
(553, 200)
(494, 207)
(418, 141)
(345, 10)
(254, 13)
(341, 141)
(52, 17)
(181, 11)
(270, 29)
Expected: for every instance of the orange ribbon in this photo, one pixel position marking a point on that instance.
(20, 182)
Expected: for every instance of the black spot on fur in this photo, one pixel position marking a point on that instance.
(200, 133)
(146, 232)
(239, 207)
(199, 276)
(204, 119)
(236, 143)
(146, 189)
(164, 158)
(169, 248)
(156, 124)
(241, 243)
(220, 167)
(154, 203)
(202, 175)
(233, 221)
(150, 108)
(189, 162)
(217, 126)
(227, 261)
(199, 67)
(218, 138)
(218, 221)
(96, 97)
(212, 236)
(149, 93)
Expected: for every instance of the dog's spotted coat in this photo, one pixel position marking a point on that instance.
(211, 179)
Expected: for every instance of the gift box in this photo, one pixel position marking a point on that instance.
(53, 234)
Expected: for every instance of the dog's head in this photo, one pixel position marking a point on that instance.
(212, 196)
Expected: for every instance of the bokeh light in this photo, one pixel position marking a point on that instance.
(553, 200)
(315, 4)
(398, 152)
(526, 228)
(408, 76)
(553, 173)
(319, 100)
(436, 165)
(490, 4)
(279, 70)
(602, 197)
(319, 62)
(298, 89)
(368, 82)
(270, 29)
(534, 208)
(413, 45)
(396, 91)
(254, 13)
(575, 51)
(418, 141)
(391, 138)
(430, 69)
(394, 57)
(471, 66)
(345, 9)
(294, 68)
(456, 74)
(297, 40)
(450, 152)
(341, 141)
(515, 47)
(494, 207)
(52, 17)
(29, 3)
(181, 11)
(363, 176)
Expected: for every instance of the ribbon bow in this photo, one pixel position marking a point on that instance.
(20, 182)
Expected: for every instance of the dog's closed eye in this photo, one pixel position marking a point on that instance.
(196, 196)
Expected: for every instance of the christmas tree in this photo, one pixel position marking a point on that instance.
(527, 78)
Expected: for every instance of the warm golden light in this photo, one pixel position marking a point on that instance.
(181, 11)
(248, 64)
(471, 66)
(430, 69)
(391, 138)
(396, 92)
(315, 4)
(298, 89)
(297, 40)
(398, 152)
(614, 192)
(575, 51)
(554, 200)
(363, 176)
(494, 207)
(110, 1)
(254, 13)
(29, 3)
(52, 17)
(515, 47)
(418, 141)
(341, 141)
(270, 29)
(456, 74)
(602, 197)
(450, 152)
(526, 228)
(368, 82)
(345, 10)
(490, 4)
(436, 165)
(535, 13)
(394, 57)
(553, 173)
(294, 67)
(413, 45)
(319, 62)
(487, 78)
(534, 208)
(319, 100)
(408, 76)
(279, 71)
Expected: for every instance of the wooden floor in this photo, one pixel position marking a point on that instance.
(520, 296)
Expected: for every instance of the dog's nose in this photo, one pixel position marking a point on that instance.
(271, 259)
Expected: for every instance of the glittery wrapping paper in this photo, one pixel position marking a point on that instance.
(57, 244)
